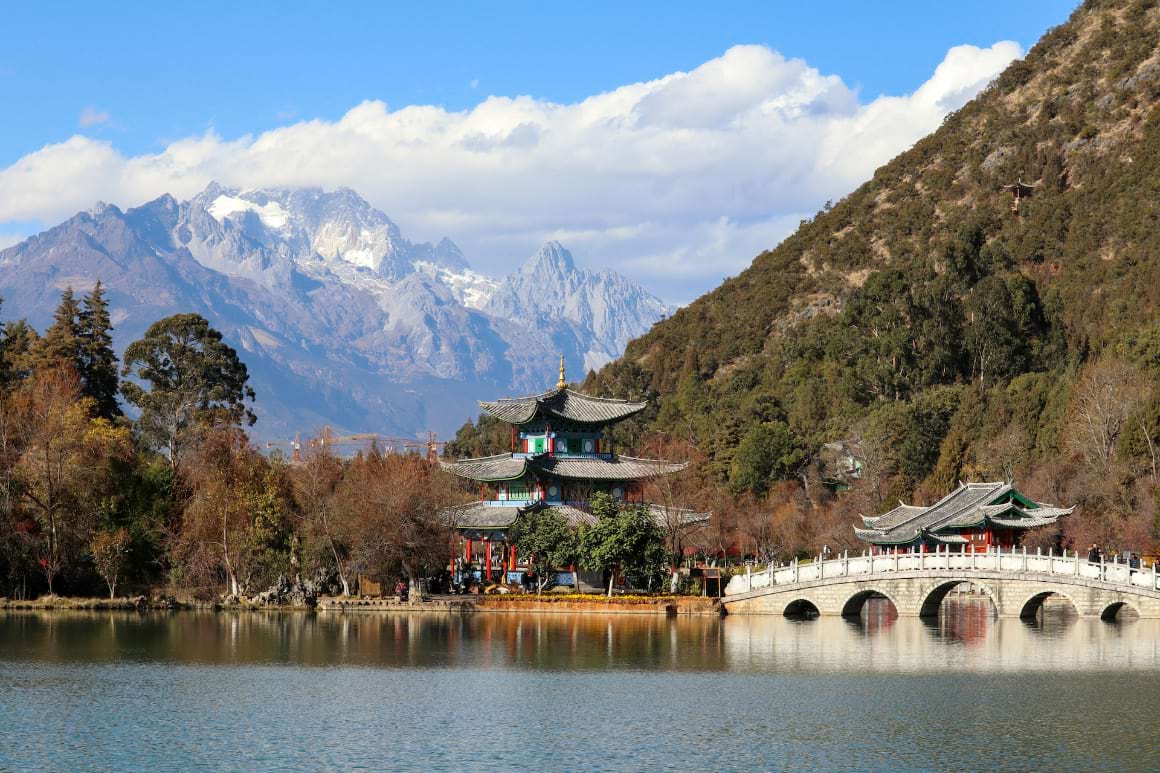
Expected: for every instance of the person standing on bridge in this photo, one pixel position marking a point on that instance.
(1094, 554)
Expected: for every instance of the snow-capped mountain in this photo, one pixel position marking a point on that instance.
(341, 320)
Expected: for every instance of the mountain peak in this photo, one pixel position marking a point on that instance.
(553, 256)
(448, 255)
(100, 208)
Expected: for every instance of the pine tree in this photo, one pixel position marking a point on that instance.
(18, 352)
(98, 361)
(61, 344)
(196, 382)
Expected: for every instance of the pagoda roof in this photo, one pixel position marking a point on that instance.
(661, 515)
(597, 468)
(562, 404)
(479, 515)
(970, 505)
(508, 467)
(488, 468)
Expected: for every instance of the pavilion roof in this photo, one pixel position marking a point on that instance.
(508, 467)
(562, 404)
(477, 515)
(968, 506)
(488, 468)
(480, 515)
(598, 468)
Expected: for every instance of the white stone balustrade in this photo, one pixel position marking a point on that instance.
(912, 577)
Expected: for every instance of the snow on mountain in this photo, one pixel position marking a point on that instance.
(341, 320)
(271, 213)
(469, 288)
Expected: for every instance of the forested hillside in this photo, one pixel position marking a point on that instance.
(938, 330)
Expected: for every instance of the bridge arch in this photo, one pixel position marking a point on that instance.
(932, 598)
(1114, 611)
(1030, 608)
(852, 606)
(801, 609)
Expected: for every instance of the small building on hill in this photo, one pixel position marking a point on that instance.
(973, 517)
(559, 458)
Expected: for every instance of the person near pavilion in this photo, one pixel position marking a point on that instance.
(1093, 554)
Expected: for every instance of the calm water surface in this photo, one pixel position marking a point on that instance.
(188, 690)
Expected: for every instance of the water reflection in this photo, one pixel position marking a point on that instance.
(965, 636)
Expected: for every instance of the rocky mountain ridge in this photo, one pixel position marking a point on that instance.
(341, 319)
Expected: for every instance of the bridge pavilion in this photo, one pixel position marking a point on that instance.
(559, 458)
(974, 517)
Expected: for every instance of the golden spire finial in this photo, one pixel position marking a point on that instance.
(563, 382)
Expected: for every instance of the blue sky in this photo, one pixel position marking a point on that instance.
(134, 79)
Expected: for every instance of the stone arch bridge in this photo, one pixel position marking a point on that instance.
(916, 583)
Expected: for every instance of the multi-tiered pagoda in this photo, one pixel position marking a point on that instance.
(559, 458)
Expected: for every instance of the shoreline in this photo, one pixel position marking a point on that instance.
(670, 606)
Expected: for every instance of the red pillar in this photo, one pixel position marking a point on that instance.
(513, 558)
(487, 559)
(467, 551)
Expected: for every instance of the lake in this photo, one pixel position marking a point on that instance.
(423, 691)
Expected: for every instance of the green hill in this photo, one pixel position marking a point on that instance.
(937, 331)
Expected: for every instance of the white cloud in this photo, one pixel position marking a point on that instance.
(91, 116)
(680, 179)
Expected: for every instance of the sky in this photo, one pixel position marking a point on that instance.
(669, 141)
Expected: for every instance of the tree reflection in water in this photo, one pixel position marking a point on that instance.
(876, 639)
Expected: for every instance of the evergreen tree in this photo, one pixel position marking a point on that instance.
(766, 454)
(98, 361)
(18, 350)
(550, 542)
(625, 538)
(196, 382)
(61, 344)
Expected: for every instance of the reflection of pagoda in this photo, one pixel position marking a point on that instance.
(559, 458)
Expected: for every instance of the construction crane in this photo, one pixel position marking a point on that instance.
(294, 445)
(364, 441)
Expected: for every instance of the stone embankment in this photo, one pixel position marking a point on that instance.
(617, 605)
(121, 603)
(550, 604)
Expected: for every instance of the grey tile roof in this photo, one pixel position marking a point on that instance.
(563, 404)
(664, 515)
(488, 468)
(967, 506)
(575, 517)
(595, 468)
(892, 518)
(506, 467)
(478, 515)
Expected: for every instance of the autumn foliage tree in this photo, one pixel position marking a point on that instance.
(64, 471)
(390, 522)
(110, 549)
(235, 528)
(325, 534)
